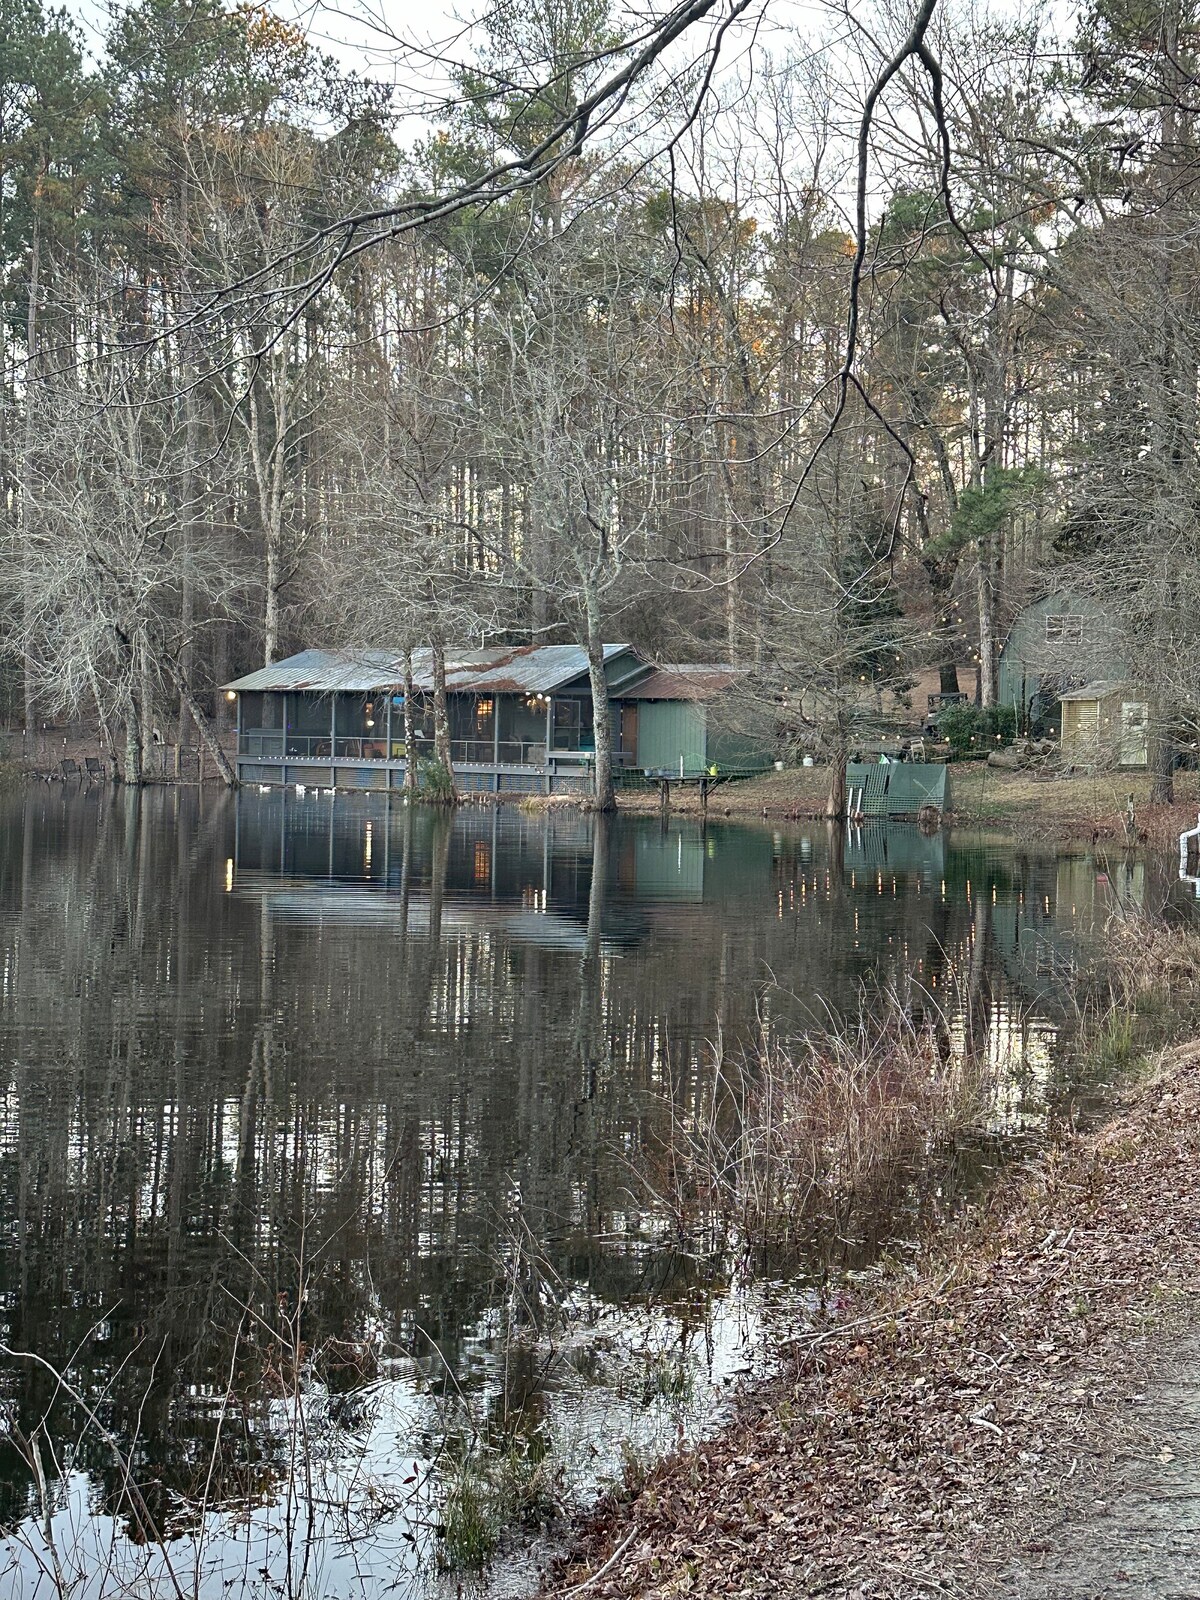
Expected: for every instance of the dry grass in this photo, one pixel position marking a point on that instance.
(1059, 808)
(796, 792)
(1018, 803)
(784, 1135)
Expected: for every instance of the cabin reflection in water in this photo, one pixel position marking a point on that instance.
(371, 859)
(891, 902)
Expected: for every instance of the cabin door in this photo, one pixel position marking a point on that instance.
(629, 722)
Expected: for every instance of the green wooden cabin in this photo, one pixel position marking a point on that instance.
(680, 730)
(520, 719)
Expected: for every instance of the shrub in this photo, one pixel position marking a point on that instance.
(972, 730)
(436, 785)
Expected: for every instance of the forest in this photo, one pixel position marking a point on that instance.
(817, 342)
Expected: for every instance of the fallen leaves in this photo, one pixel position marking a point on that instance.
(903, 1434)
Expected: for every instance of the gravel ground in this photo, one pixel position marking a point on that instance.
(1135, 1531)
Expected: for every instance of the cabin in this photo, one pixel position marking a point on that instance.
(520, 719)
(1062, 671)
(1056, 645)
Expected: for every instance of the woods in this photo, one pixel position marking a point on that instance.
(817, 355)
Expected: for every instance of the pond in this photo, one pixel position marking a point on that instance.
(327, 1151)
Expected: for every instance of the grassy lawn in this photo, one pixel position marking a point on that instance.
(1017, 803)
(1073, 808)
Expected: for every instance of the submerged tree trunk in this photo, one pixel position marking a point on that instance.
(604, 794)
(441, 727)
(410, 728)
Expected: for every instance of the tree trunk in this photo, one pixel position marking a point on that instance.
(441, 724)
(1162, 769)
(836, 800)
(108, 742)
(988, 648)
(133, 744)
(191, 451)
(271, 604)
(31, 369)
(203, 723)
(604, 794)
(410, 729)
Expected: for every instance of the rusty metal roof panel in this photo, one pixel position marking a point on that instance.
(507, 669)
(684, 681)
(325, 671)
(522, 669)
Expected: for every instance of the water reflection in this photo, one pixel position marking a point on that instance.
(282, 1067)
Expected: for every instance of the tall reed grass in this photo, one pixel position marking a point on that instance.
(783, 1133)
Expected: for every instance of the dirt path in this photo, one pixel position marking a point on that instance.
(1135, 1533)
(972, 1427)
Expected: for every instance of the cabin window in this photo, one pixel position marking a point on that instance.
(567, 724)
(262, 710)
(1064, 629)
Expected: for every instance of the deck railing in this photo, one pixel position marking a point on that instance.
(274, 744)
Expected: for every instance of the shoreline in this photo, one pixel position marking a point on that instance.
(928, 1435)
(1079, 809)
(1018, 806)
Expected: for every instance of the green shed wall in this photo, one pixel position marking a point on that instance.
(1026, 657)
(739, 751)
(668, 729)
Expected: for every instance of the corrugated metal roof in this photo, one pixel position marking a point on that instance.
(522, 669)
(684, 682)
(512, 669)
(350, 671)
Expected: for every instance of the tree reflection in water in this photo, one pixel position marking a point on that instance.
(276, 1066)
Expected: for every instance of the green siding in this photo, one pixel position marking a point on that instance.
(741, 752)
(668, 729)
(1028, 657)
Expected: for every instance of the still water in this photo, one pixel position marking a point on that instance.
(297, 1087)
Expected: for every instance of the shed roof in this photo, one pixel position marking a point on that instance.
(513, 669)
(689, 681)
(1098, 690)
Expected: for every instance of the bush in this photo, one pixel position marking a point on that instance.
(435, 784)
(973, 730)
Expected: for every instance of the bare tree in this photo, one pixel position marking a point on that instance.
(102, 571)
